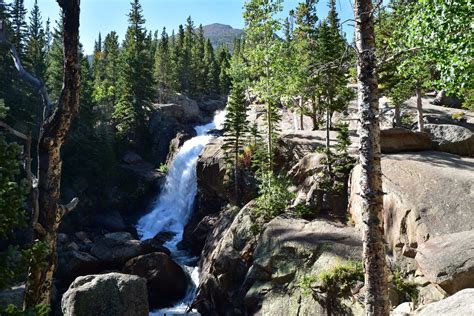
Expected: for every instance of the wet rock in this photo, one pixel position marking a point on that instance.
(106, 294)
(152, 245)
(113, 250)
(163, 237)
(395, 140)
(448, 261)
(178, 141)
(166, 280)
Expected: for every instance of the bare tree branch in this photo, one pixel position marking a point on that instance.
(13, 131)
(25, 75)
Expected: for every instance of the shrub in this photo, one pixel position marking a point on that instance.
(274, 195)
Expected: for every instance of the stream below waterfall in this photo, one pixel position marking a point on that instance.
(173, 207)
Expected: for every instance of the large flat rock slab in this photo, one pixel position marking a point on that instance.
(427, 194)
(448, 260)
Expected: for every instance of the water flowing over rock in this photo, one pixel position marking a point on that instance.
(166, 280)
(174, 206)
(106, 294)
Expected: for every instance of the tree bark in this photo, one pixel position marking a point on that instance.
(397, 114)
(376, 298)
(301, 114)
(52, 135)
(419, 109)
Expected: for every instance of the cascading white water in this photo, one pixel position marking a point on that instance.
(173, 207)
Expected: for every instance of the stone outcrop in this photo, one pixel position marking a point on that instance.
(395, 140)
(453, 139)
(114, 249)
(427, 194)
(211, 169)
(166, 280)
(247, 272)
(448, 261)
(450, 101)
(106, 294)
(461, 303)
(292, 146)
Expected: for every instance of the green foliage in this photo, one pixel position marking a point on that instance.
(264, 56)
(458, 116)
(274, 197)
(39, 310)
(135, 91)
(340, 279)
(163, 168)
(407, 289)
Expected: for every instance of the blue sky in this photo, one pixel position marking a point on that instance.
(108, 15)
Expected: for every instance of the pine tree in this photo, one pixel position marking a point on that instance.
(236, 126)
(212, 69)
(163, 66)
(19, 26)
(188, 75)
(135, 81)
(36, 45)
(199, 64)
(224, 65)
(263, 52)
(54, 70)
(305, 84)
(106, 91)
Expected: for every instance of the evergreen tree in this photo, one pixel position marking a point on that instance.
(188, 75)
(135, 81)
(36, 44)
(199, 64)
(19, 26)
(236, 126)
(224, 65)
(212, 69)
(263, 53)
(105, 91)
(304, 83)
(54, 70)
(164, 72)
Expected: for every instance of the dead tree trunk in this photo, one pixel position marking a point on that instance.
(53, 132)
(376, 298)
(419, 109)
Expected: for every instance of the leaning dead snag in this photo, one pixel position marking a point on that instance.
(376, 299)
(47, 210)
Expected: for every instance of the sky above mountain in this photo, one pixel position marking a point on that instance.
(107, 15)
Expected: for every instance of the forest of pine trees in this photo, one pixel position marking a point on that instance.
(301, 64)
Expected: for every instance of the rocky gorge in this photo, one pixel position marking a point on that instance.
(283, 266)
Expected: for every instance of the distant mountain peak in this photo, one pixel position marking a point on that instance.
(221, 34)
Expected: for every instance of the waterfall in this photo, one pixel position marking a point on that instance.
(174, 206)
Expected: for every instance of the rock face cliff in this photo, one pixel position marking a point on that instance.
(254, 268)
